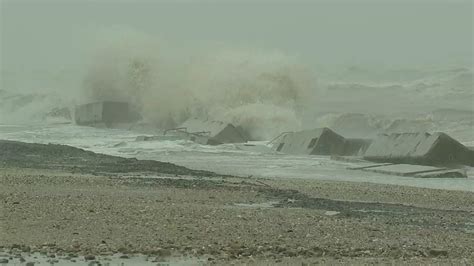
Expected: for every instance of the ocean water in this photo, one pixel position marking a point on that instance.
(354, 102)
(257, 161)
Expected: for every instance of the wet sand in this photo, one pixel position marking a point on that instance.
(67, 204)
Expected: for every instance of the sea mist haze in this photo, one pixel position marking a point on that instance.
(359, 67)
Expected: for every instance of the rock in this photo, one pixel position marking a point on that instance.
(89, 257)
(158, 259)
(281, 249)
(291, 253)
(47, 244)
(438, 252)
(102, 247)
(22, 259)
(3, 261)
(124, 256)
(331, 213)
(163, 252)
(30, 263)
(122, 249)
(76, 245)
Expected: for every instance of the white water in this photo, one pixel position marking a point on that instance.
(354, 102)
(225, 159)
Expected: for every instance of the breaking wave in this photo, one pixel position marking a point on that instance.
(25, 107)
(456, 122)
(264, 92)
(260, 91)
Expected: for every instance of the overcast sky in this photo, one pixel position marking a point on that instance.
(55, 34)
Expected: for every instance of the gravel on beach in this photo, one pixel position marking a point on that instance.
(76, 212)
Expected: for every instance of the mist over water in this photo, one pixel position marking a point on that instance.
(331, 67)
(265, 92)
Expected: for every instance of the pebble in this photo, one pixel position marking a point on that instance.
(102, 247)
(438, 252)
(89, 257)
(163, 252)
(294, 224)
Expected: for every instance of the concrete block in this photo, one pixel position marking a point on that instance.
(422, 171)
(350, 159)
(450, 173)
(356, 147)
(419, 148)
(320, 141)
(212, 132)
(107, 113)
(368, 165)
(403, 169)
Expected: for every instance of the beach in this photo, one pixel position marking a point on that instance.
(93, 209)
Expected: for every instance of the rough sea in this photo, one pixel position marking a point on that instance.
(354, 102)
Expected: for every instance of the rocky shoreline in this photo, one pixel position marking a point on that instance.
(64, 204)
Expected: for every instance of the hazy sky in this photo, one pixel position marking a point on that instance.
(54, 34)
